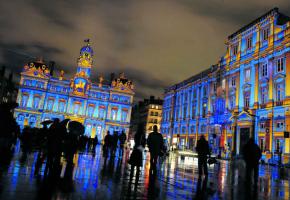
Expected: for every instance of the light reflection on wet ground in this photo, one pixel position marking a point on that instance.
(96, 178)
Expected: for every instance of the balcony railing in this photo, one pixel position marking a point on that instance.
(279, 103)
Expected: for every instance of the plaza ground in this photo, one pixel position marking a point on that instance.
(177, 178)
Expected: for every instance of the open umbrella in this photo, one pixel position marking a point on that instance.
(64, 122)
(76, 128)
(46, 122)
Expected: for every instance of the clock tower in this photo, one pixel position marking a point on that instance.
(81, 83)
(85, 60)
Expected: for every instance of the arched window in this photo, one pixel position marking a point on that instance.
(50, 103)
(102, 112)
(124, 115)
(76, 108)
(36, 101)
(61, 105)
(91, 110)
(114, 113)
(24, 99)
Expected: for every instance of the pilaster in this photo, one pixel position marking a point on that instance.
(287, 79)
(256, 94)
(237, 91)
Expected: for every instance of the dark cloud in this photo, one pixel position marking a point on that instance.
(155, 42)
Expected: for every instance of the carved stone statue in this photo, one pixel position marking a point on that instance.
(122, 75)
(61, 75)
(101, 80)
(114, 83)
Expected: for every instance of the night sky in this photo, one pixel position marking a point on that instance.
(155, 42)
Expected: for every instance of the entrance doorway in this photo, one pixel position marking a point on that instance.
(244, 137)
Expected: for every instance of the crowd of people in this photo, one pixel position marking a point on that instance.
(111, 144)
(57, 140)
(9, 131)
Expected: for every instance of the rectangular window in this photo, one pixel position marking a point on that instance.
(278, 146)
(264, 70)
(279, 92)
(265, 33)
(204, 110)
(193, 112)
(247, 75)
(204, 91)
(280, 64)
(247, 99)
(249, 42)
(214, 87)
(233, 81)
(235, 50)
(184, 112)
(262, 144)
(264, 95)
(280, 125)
(224, 84)
(262, 125)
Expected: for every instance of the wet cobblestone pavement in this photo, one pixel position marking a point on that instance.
(96, 178)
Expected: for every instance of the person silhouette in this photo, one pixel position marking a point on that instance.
(136, 157)
(107, 144)
(252, 154)
(122, 140)
(202, 149)
(155, 145)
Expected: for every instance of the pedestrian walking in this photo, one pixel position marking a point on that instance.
(136, 157)
(155, 145)
(202, 149)
(95, 141)
(107, 144)
(252, 154)
(122, 140)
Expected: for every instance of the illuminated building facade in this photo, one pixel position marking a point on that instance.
(246, 94)
(148, 113)
(99, 106)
